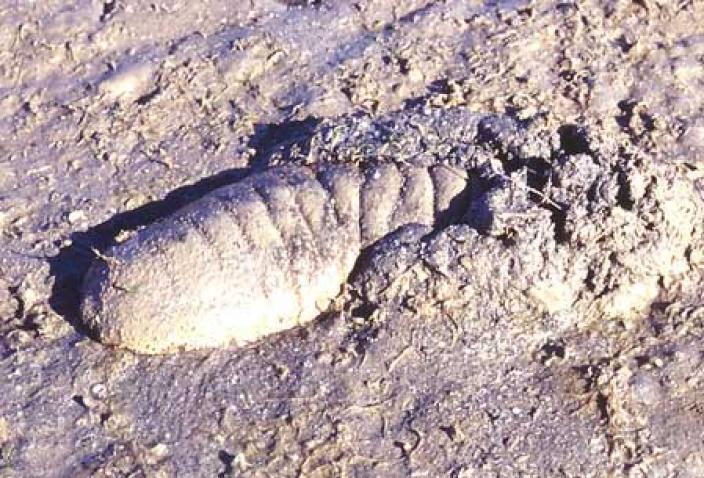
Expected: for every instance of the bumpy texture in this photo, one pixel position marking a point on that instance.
(257, 257)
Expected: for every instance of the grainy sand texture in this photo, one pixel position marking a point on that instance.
(508, 284)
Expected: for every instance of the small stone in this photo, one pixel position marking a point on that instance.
(122, 236)
(127, 83)
(135, 201)
(157, 453)
(76, 216)
(99, 391)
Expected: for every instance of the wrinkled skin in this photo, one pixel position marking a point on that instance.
(257, 257)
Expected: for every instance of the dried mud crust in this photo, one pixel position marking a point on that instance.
(443, 358)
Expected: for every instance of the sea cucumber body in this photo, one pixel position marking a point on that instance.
(257, 257)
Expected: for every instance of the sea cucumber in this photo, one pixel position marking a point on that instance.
(257, 257)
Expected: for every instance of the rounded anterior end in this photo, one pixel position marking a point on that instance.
(227, 270)
(175, 298)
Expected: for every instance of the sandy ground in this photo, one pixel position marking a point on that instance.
(559, 337)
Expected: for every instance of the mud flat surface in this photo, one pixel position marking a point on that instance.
(554, 328)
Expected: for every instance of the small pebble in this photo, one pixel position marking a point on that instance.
(157, 453)
(76, 216)
(99, 391)
(128, 82)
